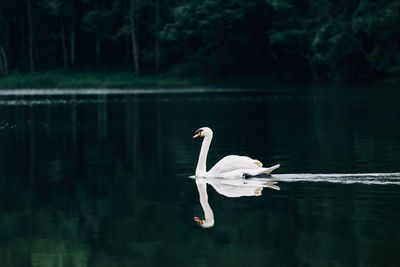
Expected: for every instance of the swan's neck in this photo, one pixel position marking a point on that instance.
(201, 168)
(208, 213)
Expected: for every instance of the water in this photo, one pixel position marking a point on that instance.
(103, 179)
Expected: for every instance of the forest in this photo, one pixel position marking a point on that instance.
(288, 40)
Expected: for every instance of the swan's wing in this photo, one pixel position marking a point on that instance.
(233, 162)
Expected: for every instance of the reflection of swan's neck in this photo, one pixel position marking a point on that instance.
(208, 213)
(201, 168)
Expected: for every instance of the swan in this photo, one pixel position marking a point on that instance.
(231, 188)
(231, 166)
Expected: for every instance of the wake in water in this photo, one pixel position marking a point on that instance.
(348, 178)
(339, 178)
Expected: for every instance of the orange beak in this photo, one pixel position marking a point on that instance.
(197, 219)
(197, 135)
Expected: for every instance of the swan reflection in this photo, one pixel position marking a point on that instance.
(228, 188)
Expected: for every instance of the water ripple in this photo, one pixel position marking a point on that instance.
(351, 178)
(107, 91)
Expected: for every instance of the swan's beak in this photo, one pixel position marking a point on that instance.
(197, 219)
(197, 134)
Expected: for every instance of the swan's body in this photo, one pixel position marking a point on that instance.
(230, 166)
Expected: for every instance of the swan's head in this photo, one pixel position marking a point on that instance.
(204, 223)
(203, 132)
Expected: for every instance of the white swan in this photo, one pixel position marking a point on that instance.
(231, 166)
(230, 188)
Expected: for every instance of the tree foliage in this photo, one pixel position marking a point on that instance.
(302, 40)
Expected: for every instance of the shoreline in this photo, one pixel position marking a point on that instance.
(81, 79)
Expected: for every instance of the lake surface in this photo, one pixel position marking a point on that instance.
(102, 178)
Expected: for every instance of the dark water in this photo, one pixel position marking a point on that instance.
(102, 180)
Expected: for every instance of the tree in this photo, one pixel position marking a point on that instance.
(157, 27)
(132, 24)
(340, 40)
(99, 20)
(322, 40)
(62, 9)
(4, 36)
(377, 25)
(31, 35)
(217, 37)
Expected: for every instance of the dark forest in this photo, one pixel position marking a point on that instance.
(324, 40)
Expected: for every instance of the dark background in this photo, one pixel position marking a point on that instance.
(323, 40)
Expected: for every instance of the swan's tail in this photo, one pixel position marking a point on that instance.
(271, 169)
(260, 173)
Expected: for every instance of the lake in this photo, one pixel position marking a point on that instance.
(103, 177)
